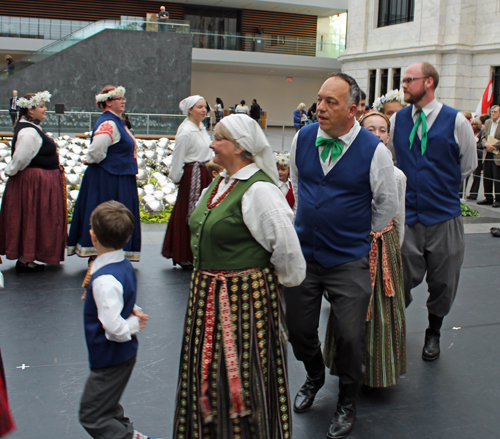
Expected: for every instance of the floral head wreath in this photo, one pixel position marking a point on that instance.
(393, 95)
(110, 94)
(282, 159)
(34, 101)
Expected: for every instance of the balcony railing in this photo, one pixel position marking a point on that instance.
(19, 27)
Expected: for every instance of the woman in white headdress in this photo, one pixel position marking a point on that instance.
(233, 379)
(191, 153)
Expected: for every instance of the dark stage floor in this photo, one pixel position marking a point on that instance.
(454, 397)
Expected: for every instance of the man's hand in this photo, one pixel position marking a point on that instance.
(143, 318)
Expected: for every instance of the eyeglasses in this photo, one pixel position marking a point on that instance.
(410, 80)
(118, 99)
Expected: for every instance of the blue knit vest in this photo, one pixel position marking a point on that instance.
(119, 158)
(334, 210)
(433, 178)
(103, 352)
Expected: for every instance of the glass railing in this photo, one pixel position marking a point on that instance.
(20, 27)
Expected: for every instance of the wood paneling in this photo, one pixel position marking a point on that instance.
(291, 34)
(89, 10)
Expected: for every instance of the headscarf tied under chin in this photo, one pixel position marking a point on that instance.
(251, 138)
(188, 103)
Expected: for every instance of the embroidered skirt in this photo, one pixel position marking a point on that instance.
(33, 216)
(233, 380)
(385, 342)
(177, 242)
(99, 186)
(6, 421)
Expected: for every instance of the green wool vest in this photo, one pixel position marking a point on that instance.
(220, 240)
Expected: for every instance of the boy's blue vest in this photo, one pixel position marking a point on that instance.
(433, 178)
(119, 159)
(103, 352)
(334, 210)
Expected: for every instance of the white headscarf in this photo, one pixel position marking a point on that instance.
(188, 103)
(251, 138)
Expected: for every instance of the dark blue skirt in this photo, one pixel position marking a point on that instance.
(99, 186)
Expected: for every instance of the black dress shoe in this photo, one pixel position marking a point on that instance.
(430, 352)
(305, 396)
(21, 267)
(495, 204)
(485, 202)
(343, 421)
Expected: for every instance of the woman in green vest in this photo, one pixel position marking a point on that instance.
(233, 371)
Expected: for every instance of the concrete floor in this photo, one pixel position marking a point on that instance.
(455, 397)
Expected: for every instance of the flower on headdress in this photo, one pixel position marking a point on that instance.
(35, 101)
(110, 94)
(391, 96)
(282, 159)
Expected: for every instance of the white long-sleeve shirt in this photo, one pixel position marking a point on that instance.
(192, 144)
(464, 136)
(28, 144)
(269, 219)
(108, 297)
(106, 134)
(399, 218)
(382, 180)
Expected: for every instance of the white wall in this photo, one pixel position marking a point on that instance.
(273, 93)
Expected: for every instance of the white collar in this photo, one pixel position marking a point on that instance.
(428, 109)
(243, 174)
(107, 258)
(346, 138)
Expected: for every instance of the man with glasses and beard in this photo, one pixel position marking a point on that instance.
(434, 146)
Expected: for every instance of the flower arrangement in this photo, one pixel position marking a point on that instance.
(282, 159)
(110, 94)
(35, 101)
(393, 95)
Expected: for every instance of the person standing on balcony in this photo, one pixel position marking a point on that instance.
(13, 109)
(189, 171)
(163, 17)
(10, 65)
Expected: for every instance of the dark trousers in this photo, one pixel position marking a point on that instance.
(491, 172)
(100, 411)
(348, 289)
(13, 116)
(476, 179)
(437, 250)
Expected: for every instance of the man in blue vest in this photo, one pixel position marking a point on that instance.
(434, 146)
(343, 181)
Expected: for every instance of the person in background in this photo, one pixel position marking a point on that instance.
(214, 169)
(112, 321)
(11, 65)
(468, 115)
(233, 379)
(491, 172)
(390, 103)
(311, 114)
(189, 171)
(435, 148)
(255, 110)
(361, 106)
(299, 116)
(33, 217)
(385, 342)
(208, 116)
(476, 180)
(285, 184)
(219, 110)
(163, 17)
(241, 108)
(125, 119)
(13, 108)
(110, 175)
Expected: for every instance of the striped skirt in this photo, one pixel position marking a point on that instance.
(233, 380)
(385, 349)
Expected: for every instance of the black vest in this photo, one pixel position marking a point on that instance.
(47, 157)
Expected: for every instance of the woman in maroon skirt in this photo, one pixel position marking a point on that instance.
(6, 421)
(190, 155)
(33, 218)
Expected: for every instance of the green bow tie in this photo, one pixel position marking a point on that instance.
(333, 147)
(420, 120)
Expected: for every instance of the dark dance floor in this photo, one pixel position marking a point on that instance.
(42, 342)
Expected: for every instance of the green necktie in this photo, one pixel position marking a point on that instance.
(332, 147)
(420, 120)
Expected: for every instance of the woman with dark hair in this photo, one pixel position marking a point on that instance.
(242, 108)
(191, 153)
(111, 175)
(33, 215)
(311, 114)
(219, 109)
